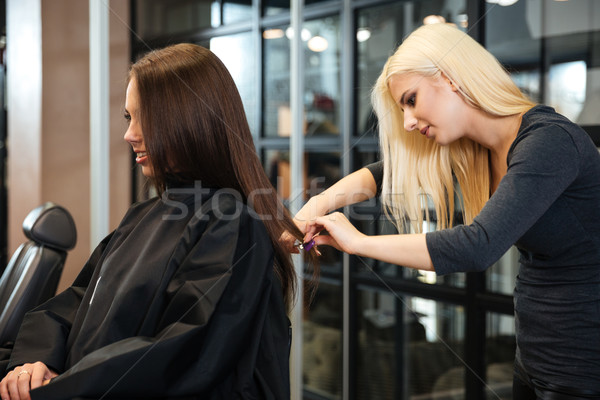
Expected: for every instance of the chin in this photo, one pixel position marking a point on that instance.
(147, 172)
(443, 141)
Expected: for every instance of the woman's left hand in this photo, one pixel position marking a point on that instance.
(342, 234)
(18, 382)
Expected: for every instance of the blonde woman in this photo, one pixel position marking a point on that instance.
(448, 112)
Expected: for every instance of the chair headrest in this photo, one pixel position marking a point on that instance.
(51, 225)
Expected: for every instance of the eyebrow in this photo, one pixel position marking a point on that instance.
(402, 97)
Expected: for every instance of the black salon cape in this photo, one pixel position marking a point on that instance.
(180, 301)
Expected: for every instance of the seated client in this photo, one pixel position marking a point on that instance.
(188, 297)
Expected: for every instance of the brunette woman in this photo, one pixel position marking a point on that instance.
(188, 297)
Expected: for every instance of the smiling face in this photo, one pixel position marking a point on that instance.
(431, 105)
(134, 135)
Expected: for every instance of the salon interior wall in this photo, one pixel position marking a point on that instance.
(48, 115)
(583, 17)
(552, 19)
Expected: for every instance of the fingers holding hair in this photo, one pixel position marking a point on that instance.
(341, 233)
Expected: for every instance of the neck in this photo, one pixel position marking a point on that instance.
(497, 135)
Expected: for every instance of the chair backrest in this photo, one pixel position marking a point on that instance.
(32, 274)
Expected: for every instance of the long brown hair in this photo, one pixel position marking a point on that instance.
(195, 129)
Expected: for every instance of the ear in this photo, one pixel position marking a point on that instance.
(453, 85)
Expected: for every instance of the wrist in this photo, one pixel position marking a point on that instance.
(361, 245)
(315, 207)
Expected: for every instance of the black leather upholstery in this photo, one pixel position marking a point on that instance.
(32, 274)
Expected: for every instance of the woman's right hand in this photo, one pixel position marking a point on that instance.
(353, 188)
(17, 384)
(303, 220)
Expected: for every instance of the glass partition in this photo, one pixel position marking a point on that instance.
(277, 116)
(321, 170)
(161, 17)
(274, 7)
(501, 276)
(408, 347)
(379, 30)
(322, 344)
(499, 355)
(322, 91)
(238, 54)
(237, 11)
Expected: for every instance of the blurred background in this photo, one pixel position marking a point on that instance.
(373, 330)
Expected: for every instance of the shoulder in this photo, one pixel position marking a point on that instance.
(226, 207)
(138, 210)
(547, 126)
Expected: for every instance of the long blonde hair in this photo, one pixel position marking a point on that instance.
(418, 171)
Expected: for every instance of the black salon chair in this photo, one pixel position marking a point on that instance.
(32, 274)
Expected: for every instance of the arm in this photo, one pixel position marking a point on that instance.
(544, 163)
(353, 188)
(406, 250)
(43, 336)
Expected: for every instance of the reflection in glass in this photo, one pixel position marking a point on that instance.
(408, 346)
(236, 11)
(528, 82)
(322, 93)
(322, 346)
(520, 46)
(277, 116)
(499, 356)
(166, 17)
(566, 88)
(238, 54)
(272, 7)
(501, 276)
(322, 79)
(379, 30)
(589, 114)
(321, 170)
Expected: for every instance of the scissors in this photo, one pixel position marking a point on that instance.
(304, 246)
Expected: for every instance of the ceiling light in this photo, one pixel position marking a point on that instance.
(363, 34)
(273, 34)
(305, 35)
(502, 2)
(318, 44)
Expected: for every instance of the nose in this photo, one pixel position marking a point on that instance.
(410, 122)
(130, 135)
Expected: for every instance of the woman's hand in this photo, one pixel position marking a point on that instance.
(342, 234)
(17, 384)
(406, 250)
(356, 187)
(303, 221)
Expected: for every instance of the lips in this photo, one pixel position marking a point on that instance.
(425, 131)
